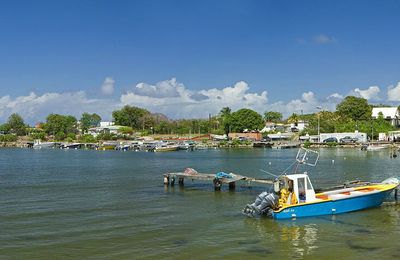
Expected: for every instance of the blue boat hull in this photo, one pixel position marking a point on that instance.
(331, 207)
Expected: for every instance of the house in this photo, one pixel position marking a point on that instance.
(390, 114)
(298, 126)
(271, 126)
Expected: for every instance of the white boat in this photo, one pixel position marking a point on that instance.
(377, 147)
(293, 195)
(38, 144)
(165, 147)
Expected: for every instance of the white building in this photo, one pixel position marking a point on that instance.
(112, 129)
(362, 137)
(298, 126)
(106, 123)
(389, 113)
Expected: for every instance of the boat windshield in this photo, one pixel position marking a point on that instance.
(302, 189)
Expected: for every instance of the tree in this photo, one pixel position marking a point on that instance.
(89, 120)
(355, 108)
(16, 124)
(272, 116)
(246, 119)
(60, 125)
(131, 116)
(226, 119)
(294, 118)
(5, 128)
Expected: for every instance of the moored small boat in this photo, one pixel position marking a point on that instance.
(38, 144)
(294, 196)
(377, 147)
(165, 147)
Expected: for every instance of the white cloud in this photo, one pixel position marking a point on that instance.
(108, 86)
(371, 93)
(335, 98)
(324, 39)
(175, 100)
(393, 93)
(34, 108)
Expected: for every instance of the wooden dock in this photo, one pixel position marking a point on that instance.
(218, 181)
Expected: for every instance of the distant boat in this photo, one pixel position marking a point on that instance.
(71, 146)
(187, 145)
(165, 147)
(108, 146)
(376, 147)
(38, 144)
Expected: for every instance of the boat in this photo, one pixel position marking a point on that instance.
(165, 147)
(38, 144)
(187, 145)
(377, 147)
(293, 195)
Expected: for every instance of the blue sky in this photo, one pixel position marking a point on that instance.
(182, 57)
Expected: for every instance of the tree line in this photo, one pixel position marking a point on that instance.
(353, 113)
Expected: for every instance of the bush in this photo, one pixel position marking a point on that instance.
(71, 136)
(8, 138)
(38, 135)
(60, 136)
(87, 138)
(106, 137)
(307, 144)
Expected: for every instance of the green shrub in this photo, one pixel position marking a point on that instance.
(38, 135)
(87, 138)
(8, 138)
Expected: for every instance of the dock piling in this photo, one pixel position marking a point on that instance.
(166, 180)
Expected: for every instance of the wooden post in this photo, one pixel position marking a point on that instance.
(180, 180)
(232, 185)
(217, 184)
(166, 180)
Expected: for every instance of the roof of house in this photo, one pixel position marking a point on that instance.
(388, 112)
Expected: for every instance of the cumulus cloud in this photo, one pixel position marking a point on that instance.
(324, 39)
(371, 93)
(393, 93)
(108, 86)
(34, 108)
(174, 99)
(335, 98)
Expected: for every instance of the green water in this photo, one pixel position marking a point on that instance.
(113, 205)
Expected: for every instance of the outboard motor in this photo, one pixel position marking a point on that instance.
(262, 206)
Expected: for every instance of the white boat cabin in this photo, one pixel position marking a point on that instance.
(301, 185)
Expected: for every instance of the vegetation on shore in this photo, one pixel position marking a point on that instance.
(352, 114)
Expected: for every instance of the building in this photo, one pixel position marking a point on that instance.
(298, 126)
(390, 114)
(106, 123)
(246, 136)
(362, 137)
(111, 129)
(273, 127)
